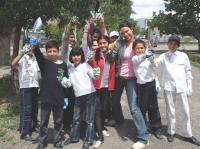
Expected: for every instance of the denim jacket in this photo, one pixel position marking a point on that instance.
(117, 54)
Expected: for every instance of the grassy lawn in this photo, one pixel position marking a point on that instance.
(9, 109)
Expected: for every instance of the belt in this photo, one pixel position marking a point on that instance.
(125, 78)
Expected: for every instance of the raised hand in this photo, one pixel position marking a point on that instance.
(25, 50)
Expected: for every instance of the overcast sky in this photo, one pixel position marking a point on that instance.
(145, 8)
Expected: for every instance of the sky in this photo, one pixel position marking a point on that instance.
(145, 8)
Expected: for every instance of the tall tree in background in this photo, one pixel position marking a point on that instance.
(183, 18)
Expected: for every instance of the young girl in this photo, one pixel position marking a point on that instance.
(80, 78)
(105, 83)
(148, 83)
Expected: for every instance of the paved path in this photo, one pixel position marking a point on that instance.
(123, 136)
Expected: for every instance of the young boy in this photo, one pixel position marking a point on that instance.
(148, 87)
(27, 67)
(52, 93)
(177, 84)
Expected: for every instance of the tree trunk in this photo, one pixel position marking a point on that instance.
(5, 51)
(198, 45)
(17, 35)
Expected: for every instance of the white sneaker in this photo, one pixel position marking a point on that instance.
(97, 144)
(105, 133)
(139, 145)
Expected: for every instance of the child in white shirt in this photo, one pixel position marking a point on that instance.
(80, 78)
(148, 87)
(177, 84)
(27, 67)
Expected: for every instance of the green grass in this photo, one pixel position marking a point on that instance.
(195, 64)
(9, 109)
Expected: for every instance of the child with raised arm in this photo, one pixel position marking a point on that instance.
(52, 93)
(80, 78)
(27, 67)
(177, 84)
(148, 86)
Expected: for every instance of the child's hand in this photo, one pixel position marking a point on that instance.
(65, 82)
(90, 55)
(96, 72)
(25, 50)
(34, 41)
(158, 88)
(151, 59)
(189, 88)
(87, 27)
(148, 53)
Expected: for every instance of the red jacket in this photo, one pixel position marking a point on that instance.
(111, 81)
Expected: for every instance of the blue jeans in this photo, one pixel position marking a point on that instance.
(87, 102)
(131, 90)
(29, 109)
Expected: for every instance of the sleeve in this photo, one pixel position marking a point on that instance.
(89, 71)
(159, 61)
(104, 31)
(188, 68)
(40, 59)
(64, 46)
(85, 49)
(137, 59)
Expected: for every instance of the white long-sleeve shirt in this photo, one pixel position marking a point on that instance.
(81, 79)
(143, 70)
(176, 70)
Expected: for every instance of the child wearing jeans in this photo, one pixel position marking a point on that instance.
(52, 93)
(177, 84)
(80, 78)
(27, 67)
(148, 86)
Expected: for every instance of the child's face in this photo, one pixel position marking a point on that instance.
(76, 59)
(95, 46)
(103, 45)
(173, 46)
(139, 49)
(71, 39)
(52, 54)
(95, 36)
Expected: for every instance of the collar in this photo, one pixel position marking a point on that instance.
(170, 53)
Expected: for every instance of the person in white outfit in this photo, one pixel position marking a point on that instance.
(177, 84)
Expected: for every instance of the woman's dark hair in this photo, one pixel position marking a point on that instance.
(76, 51)
(103, 37)
(125, 24)
(97, 56)
(138, 41)
(52, 44)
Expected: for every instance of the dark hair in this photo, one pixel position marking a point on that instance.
(95, 30)
(103, 37)
(76, 51)
(125, 24)
(52, 44)
(138, 41)
(71, 32)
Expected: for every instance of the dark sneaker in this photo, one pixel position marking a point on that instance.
(58, 145)
(86, 145)
(192, 140)
(41, 146)
(170, 138)
(158, 134)
(27, 137)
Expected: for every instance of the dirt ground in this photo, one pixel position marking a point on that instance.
(123, 136)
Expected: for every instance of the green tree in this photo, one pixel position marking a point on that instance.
(183, 18)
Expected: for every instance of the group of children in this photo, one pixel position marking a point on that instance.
(91, 78)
